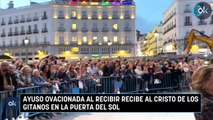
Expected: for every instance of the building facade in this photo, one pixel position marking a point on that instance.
(69, 29)
(152, 44)
(179, 20)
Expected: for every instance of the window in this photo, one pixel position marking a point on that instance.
(35, 26)
(104, 14)
(115, 39)
(45, 39)
(45, 25)
(16, 42)
(74, 26)
(22, 28)
(29, 28)
(84, 39)
(95, 38)
(105, 25)
(3, 42)
(10, 29)
(74, 39)
(127, 25)
(95, 26)
(61, 39)
(187, 7)
(36, 40)
(22, 16)
(187, 20)
(16, 29)
(61, 25)
(84, 25)
(105, 38)
(115, 26)
(61, 12)
(127, 39)
(11, 43)
(74, 14)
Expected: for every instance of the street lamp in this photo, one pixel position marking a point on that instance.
(109, 44)
(26, 42)
(156, 34)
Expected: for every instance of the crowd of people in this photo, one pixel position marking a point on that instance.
(50, 72)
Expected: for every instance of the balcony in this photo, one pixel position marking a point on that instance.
(84, 30)
(10, 34)
(16, 21)
(95, 30)
(202, 23)
(105, 30)
(35, 31)
(3, 35)
(22, 20)
(94, 17)
(74, 30)
(29, 19)
(169, 18)
(127, 29)
(44, 30)
(16, 33)
(84, 17)
(2, 23)
(61, 29)
(188, 24)
(105, 17)
(29, 32)
(73, 17)
(115, 30)
(44, 17)
(187, 11)
(22, 32)
(10, 22)
(61, 17)
(127, 16)
(115, 17)
(35, 18)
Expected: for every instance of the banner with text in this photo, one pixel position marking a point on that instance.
(110, 103)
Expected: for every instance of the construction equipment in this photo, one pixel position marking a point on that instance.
(197, 35)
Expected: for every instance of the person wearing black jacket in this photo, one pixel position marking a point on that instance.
(8, 83)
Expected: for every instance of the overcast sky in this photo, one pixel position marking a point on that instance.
(149, 12)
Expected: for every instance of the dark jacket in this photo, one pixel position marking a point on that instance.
(207, 108)
(107, 70)
(8, 76)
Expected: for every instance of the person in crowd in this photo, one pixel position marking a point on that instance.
(54, 79)
(71, 73)
(38, 80)
(45, 72)
(146, 77)
(140, 81)
(24, 77)
(97, 81)
(63, 78)
(8, 83)
(202, 82)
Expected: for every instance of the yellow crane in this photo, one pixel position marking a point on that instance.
(197, 35)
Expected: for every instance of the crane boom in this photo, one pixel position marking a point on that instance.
(201, 37)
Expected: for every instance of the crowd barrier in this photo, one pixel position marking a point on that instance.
(128, 84)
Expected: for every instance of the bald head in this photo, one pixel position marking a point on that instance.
(5, 66)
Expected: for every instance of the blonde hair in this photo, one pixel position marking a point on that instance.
(201, 78)
(26, 68)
